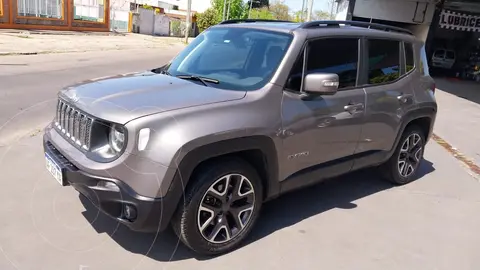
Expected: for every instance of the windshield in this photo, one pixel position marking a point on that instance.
(450, 55)
(238, 58)
(439, 53)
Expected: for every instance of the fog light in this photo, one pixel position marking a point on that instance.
(129, 212)
(108, 185)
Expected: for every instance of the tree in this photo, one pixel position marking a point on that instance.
(280, 11)
(258, 4)
(262, 13)
(207, 19)
(319, 15)
(234, 8)
(297, 16)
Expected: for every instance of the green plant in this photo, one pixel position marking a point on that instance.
(237, 9)
(261, 13)
(207, 19)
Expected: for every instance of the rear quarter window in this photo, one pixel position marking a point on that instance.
(383, 61)
(409, 57)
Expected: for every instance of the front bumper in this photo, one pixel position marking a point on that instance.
(151, 214)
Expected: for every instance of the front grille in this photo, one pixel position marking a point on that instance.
(73, 124)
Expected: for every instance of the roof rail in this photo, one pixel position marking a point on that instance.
(377, 26)
(250, 21)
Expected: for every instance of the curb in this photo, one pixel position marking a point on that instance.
(467, 162)
(18, 53)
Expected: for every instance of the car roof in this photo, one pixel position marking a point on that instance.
(324, 28)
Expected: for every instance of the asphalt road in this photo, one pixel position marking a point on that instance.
(354, 222)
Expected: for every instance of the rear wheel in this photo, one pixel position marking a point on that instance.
(220, 207)
(403, 165)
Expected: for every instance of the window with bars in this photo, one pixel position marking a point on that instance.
(89, 10)
(40, 8)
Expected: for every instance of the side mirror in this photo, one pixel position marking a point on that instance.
(321, 83)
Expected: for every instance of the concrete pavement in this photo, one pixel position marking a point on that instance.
(458, 119)
(20, 43)
(354, 222)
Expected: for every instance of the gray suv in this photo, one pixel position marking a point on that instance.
(248, 111)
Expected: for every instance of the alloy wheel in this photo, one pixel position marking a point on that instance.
(410, 155)
(226, 208)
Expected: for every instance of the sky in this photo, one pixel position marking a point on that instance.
(295, 5)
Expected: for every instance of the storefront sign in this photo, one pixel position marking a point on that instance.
(459, 21)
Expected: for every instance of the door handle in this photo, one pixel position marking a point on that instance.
(352, 108)
(404, 98)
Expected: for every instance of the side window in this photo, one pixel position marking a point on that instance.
(332, 55)
(335, 55)
(439, 54)
(409, 58)
(383, 61)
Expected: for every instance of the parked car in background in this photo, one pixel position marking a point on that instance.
(443, 58)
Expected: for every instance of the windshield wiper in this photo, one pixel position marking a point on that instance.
(198, 78)
(162, 70)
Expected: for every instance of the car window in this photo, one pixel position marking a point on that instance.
(332, 55)
(450, 55)
(238, 58)
(409, 58)
(383, 61)
(213, 57)
(439, 53)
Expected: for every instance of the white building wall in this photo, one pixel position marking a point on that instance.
(420, 30)
(406, 11)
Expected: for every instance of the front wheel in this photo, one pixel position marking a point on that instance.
(220, 207)
(401, 168)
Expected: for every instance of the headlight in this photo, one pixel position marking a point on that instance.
(117, 138)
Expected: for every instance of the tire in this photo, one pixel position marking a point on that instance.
(393, 170)
(196, 226)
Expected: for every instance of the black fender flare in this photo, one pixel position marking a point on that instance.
(203, 153)
(422, 112)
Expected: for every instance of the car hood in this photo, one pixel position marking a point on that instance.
(122, 98)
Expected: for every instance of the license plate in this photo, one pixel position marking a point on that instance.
(54, 169)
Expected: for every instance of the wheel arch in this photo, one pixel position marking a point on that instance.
(259, 151)
(423, 117)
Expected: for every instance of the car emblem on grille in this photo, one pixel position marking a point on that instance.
(74, 98)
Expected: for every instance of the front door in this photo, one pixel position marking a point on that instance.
(321, 132)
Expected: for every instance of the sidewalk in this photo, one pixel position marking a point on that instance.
(458, 118)
(24, 43)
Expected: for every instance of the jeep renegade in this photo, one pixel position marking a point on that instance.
(249, 110)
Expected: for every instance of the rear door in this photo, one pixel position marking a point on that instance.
(389, 96)
(449, 59)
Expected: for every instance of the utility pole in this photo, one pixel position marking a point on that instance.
(250, 9)
(310, 7)
(332, 3)
(188, 22)
(302, 15)
(228, 9)
(224, 9)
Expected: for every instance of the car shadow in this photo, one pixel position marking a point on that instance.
(461, 88)
(340, 192)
